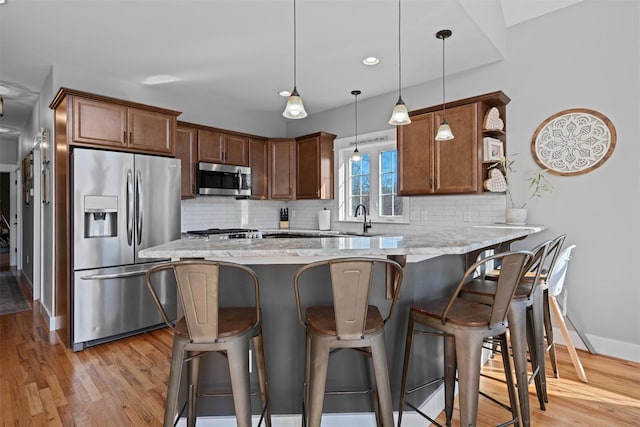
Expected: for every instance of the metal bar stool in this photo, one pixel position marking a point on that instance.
(526, 325)
(464, 325)
(350, 322)
(207, 327)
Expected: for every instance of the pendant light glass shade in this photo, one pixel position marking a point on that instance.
(399, 115)
(294, 108)
(444, 131)
(355, 156)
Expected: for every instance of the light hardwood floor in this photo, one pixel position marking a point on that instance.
(43, 383)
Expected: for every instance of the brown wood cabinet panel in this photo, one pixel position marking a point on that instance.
(259, 163)
(186, 151)
(456, 162)
(151, 131)
(210, 146)
(236, 150)
(415, 156)
(314, 164)
(99, 122)
(282, 169)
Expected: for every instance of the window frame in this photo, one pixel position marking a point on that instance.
(373, 144)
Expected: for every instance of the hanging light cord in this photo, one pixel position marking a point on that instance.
(443, 85)
(294, 44)
(399, 54)
(356, 121)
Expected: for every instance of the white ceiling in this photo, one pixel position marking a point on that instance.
(237, 54)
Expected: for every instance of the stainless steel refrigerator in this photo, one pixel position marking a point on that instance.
(122, 203)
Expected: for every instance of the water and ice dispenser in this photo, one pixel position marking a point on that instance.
(100, 216)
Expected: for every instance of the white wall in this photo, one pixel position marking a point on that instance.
(571, 58)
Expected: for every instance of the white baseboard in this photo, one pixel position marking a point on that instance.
(604, 346)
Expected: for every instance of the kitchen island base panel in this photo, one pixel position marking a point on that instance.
(284, 341)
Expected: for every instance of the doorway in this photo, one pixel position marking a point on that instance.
(5, 228)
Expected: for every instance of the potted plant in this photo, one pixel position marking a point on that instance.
(538, 184)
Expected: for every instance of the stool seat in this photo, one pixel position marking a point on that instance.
(323, 320)
(232, 321)
(462, 312)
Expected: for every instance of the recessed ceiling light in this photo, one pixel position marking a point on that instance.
(159, 79)
(284, 93)
(371, 60)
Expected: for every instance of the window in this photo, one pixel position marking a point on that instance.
(371, 180)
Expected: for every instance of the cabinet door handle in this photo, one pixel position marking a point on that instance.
(431, 183)
(124, 136)
(130, 137)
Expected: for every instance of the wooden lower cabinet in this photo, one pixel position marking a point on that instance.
(282, 169)
(187, 152)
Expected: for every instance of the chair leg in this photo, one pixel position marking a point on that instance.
(536, 368)
(537, 311)
(193, 370)
(450, 368)
(517, 335)
(468, 358)
(405, 367)
(319, 360)
(173, 388)
(238, 352)
(508, 374)
(567, 338)
(258, 349)
(383, 387)
(548, 330)
(305, 385)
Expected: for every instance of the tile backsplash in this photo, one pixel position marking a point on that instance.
(425, 213)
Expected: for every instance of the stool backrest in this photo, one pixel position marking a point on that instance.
(557, 276)
(555, 247)
(536, 265)
(351, 282)
(198, 285)
(513, 267)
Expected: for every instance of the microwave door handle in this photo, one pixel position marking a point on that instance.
(240, 181)
(140, 204)
(130, 207)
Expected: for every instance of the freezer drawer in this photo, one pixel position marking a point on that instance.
(111, 303)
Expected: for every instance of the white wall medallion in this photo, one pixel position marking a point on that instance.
(573, 142)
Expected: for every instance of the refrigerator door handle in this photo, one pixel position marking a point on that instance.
(130, 207)
(139, 207)
(114, 275)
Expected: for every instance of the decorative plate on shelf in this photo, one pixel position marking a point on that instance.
(573, 142)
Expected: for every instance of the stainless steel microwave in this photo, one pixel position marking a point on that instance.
(223, 180)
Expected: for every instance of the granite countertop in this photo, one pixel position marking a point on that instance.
(417, 247)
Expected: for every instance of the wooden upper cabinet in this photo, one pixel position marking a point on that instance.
(427, 166)
(99, 121)
(415, 156)
(150, 131)
(259, 163)
(282, 169)
(314, 166)
(210, 146)
(456, 161)
(186, 151)
(216, 146)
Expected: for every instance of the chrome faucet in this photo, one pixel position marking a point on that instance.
(365, 225)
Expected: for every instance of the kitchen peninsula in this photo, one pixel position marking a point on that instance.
(435, 262)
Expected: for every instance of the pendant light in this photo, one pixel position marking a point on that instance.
(399, 115)
(444, 131)
(355, 156)
(295, 108)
